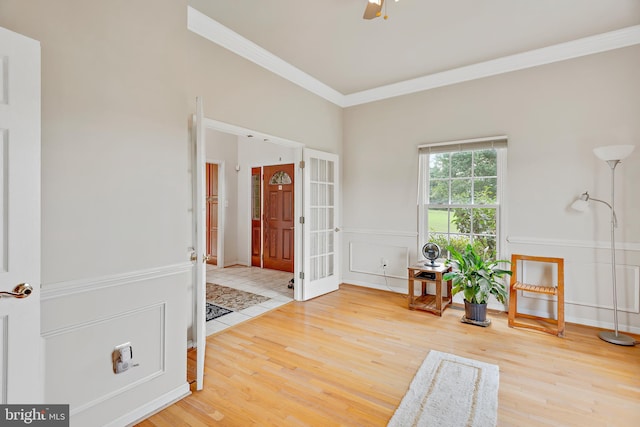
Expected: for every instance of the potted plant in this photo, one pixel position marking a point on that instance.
(477, 278)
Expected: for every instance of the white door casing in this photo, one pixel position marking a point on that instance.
(320, 231)
(21, 348)
(200, 244)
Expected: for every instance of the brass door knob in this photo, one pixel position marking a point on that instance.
(22, 290)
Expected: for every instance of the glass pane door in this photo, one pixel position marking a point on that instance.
(320, 223)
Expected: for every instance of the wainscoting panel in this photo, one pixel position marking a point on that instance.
(82, 325)
(364, 250)
(368, 258)
(601, 295)
(147, 340)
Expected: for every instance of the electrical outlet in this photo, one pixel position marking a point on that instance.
(121, 358)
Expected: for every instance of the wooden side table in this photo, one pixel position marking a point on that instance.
(427, 302)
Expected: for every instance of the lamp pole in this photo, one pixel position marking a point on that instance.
(608, 336)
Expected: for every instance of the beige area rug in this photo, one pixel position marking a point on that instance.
(449, 390)
(233, 299)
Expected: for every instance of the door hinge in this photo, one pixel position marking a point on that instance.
(301, 164)
(301, 220)
(302, 275)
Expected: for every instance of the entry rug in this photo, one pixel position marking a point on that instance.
(214, 311)
(449, 390)
(232, 299)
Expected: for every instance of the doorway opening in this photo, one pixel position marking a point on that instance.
(260, 249)
(315, 237)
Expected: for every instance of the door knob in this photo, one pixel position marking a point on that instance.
(23, 290)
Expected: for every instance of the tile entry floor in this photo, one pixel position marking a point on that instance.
(269, 283)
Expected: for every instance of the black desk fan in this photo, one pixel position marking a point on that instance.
(431, 251)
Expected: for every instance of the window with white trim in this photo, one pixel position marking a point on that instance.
(460, 191)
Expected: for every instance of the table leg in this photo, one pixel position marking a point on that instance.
(410, 289)
(439, 297)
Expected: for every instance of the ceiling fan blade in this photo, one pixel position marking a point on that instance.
(373, 10)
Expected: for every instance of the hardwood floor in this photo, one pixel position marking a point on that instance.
(347, 358)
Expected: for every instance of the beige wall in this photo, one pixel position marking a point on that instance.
(111, 99)
(239, 92)
(553, 115)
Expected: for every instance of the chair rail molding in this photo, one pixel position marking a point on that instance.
(589, 244)
(371, 231)
(70, 287)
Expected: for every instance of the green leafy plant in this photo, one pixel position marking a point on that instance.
(476, 277)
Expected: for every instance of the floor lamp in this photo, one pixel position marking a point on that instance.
(612, 154)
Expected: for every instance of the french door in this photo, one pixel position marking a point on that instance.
(320, 230)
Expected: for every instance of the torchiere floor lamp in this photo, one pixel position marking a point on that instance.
(612, 154)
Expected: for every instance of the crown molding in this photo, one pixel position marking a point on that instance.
(560, 52)
(212, 30)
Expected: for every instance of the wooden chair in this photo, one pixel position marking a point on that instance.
(544, 324)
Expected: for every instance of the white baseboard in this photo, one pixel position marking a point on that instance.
(377, 286)
(588, 322)
(152, 407)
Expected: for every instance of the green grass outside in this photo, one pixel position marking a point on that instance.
(438, 221)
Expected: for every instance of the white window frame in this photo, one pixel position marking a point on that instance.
(497, 142)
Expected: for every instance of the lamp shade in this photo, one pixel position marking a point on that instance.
(613, 152)
(580, 205)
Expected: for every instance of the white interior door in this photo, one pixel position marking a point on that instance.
(200, 208)
(320, 231)
(21, 350)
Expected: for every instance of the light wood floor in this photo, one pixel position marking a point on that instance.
(347, 359)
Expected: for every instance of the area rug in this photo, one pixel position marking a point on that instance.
(214, 311)
(449, 390)
(232, 299)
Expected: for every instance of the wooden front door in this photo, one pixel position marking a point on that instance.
(212, 213)
(279, 224)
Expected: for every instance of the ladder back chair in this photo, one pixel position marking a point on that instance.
(544, 324)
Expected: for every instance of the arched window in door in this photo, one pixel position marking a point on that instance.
(280, 178)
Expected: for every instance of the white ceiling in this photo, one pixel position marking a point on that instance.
(329, 41)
